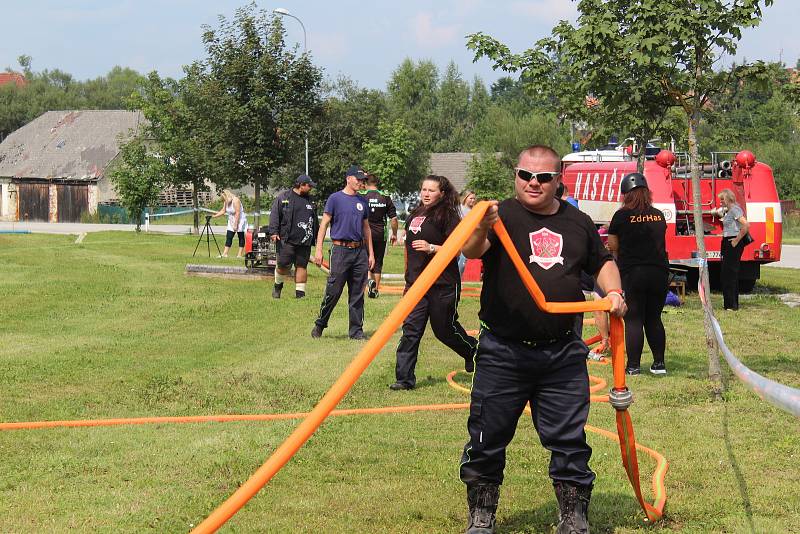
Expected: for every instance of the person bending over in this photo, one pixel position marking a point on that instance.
(237, 221)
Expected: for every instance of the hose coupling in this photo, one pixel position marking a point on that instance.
(620, 399)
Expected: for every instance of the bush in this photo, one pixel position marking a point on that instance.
(488, 178)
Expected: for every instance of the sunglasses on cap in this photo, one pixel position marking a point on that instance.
(542, 177)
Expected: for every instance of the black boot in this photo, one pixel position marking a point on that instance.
(573, 507)
(276, 290)
(482, 501)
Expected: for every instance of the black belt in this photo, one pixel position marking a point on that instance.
(347, 244)
(533, 343)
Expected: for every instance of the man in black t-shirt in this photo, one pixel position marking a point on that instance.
(380, 207)
(293, 226)
(526, 355)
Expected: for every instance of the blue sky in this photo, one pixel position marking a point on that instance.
(363, 40)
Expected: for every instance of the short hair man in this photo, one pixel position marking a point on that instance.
(563, 193)
(381, 208)
(293, 226)
(525, 355)
(351, 255)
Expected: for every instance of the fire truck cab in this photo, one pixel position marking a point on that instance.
(593, 178)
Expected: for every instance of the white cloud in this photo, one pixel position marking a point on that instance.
(546, 10)
(429, 35)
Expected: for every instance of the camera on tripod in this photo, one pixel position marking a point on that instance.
(209, 233)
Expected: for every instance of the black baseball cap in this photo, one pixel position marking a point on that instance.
(356, 171)
(304, 179)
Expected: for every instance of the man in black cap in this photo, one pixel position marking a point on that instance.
(381, 208)
(351, 256)
(293, 226)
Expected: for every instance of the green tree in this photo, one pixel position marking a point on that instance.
(57, 90)
(113, 90)
(635, 59)
(501, 130)
(388, 156)
(479, 102)
(138, 178)
(412, 96)
(566, 70)
(489, 178)
(452, 111)
(349, 119)
(178, 131)
(261, 96)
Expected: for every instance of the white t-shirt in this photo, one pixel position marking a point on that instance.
(231, 211)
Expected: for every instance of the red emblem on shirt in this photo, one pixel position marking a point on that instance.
(546, 247)
(416, 224)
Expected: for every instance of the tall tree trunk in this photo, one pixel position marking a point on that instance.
(196, 207)
(642, 153)
(714, 373)
(257, 185)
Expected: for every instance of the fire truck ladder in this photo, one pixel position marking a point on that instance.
(684, 206)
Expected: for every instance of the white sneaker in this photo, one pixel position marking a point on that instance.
(594, 356)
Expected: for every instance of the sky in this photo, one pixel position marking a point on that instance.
(364, 41)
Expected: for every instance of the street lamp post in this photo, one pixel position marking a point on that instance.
(285, 13)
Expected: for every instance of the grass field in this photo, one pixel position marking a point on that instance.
(114, 328)
(791, 229)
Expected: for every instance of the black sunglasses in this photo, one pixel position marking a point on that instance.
(541, 177)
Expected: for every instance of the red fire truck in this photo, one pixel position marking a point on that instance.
(593, 178)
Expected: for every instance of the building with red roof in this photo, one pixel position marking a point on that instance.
(16, 78)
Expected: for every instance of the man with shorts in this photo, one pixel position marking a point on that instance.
(293, 227)
(380, 207)
(527, 356)
(351, 254)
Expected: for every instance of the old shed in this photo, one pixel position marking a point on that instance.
(54, 168)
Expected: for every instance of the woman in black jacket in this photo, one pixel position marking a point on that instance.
(636, 238)
(427, 228)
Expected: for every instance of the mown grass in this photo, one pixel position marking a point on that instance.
(791, 228)
(114, 328)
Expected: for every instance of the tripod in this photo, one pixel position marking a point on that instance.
(209, 233)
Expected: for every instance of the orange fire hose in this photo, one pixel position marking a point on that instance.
(660, 472)
(292, 444)
(343, 384)
(441, 259)
(617, 338)
(30, 425)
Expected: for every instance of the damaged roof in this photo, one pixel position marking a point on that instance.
(67, 145)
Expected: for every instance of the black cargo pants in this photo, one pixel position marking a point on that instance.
(440, 305)
(347, 266)
(508, 374)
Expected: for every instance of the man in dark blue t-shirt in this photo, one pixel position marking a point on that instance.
(351, 255)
